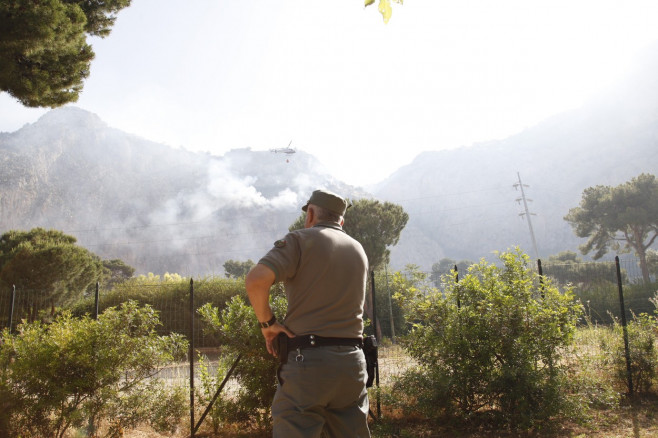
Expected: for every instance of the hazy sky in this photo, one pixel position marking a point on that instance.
(364, 97)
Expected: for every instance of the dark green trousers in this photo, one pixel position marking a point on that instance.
(322, 393)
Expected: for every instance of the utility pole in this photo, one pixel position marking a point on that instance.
(527, 212)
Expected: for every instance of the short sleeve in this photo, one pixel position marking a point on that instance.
(283, 258)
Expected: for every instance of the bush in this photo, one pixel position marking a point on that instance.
(410, 281)
(642, 332)
(490, 342)
(76, 371)
(238, 332)
(170, 296)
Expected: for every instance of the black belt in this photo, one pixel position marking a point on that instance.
(309, 341)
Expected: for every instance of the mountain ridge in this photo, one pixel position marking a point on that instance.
(162, 209)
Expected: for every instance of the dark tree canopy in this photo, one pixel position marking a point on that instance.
(237, 269)
(377, 226)
(48, 261)
(44, 55)
(568, 268)
(621, 218)
(116, 271)
(447, 265)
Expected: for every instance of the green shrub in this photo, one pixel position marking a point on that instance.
(642, 330)
(170, 296)
(237, 330)
(79, 370)
(210, 382)
(410, 281)
(490, 342)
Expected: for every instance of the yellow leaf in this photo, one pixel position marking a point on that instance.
(385, 9)
(369, 2)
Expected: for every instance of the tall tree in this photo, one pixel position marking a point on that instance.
(447, 265)
(377, 226)
(237, 269)
(621, 218)
(116, 271)
(652, 261)
(48, 261)
(44, 55)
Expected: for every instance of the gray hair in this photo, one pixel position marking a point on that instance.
(326, 215)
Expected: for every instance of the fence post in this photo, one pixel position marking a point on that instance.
(459, 304)
(11, 306)
(374, 326)
(625, 330)
(96, 296)
(390, 306)
(541, 277)
(192, 431)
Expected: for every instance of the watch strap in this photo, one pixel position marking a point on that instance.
(266, 324)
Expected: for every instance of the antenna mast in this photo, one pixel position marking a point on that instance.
(527, 213)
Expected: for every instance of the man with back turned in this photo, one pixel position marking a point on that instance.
(322, 377)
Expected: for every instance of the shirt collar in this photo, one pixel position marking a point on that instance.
(333, 225)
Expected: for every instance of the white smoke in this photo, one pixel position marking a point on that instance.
(230, 190)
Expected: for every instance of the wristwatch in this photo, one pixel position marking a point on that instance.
(266, 324)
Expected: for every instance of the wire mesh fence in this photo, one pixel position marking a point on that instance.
(601, 287)
(598, 287)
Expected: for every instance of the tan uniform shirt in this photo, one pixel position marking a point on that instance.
(324, 272)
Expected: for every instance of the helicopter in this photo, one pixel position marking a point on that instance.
(287, 150)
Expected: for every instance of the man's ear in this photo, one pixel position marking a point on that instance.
(310, 215)
(342, 222)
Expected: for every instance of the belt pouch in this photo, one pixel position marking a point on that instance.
(281, 347)
(370, 350)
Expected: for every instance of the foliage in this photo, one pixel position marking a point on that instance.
(589, 380)
(618, 218)
(48, 261)
(170, 296)
(377, 226)
(568, 268)
(74, 370)
(384, 8)
(209, 383)
(115, 271)
(490, 342)
(386, 307)
(237, 328)
(595, 284)
(652, 262)
(401, 286)
(641, 331)
(446, 266)
(44, 55)
(237, 269)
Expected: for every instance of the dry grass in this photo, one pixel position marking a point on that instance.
(637, 417)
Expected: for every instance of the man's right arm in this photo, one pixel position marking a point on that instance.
(258, 282)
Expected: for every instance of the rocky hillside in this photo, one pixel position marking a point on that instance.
(170, 210)
(157, 208)
(463, 203)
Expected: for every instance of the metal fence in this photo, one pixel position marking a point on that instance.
(609, 290)
(595, 284)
